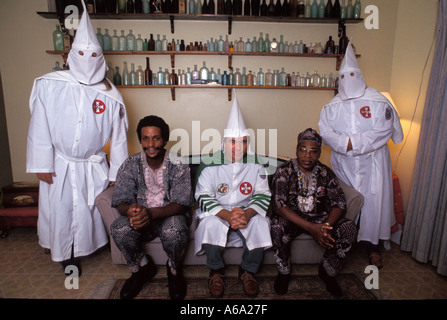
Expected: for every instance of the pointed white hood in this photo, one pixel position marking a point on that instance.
(86, 67)
(236, 127)
(350, 80)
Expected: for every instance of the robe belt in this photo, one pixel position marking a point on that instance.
(93, 162)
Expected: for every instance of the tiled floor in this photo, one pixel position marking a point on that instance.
(26, 272)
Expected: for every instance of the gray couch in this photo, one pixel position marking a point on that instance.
(305, 250)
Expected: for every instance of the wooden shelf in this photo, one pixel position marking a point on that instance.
(338, 57)
(218, 86)
(206, 17)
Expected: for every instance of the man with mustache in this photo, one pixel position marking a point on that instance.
(153, 195)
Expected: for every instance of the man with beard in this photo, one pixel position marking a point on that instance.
(153, 195)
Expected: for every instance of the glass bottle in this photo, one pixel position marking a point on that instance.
(107, 41)
(110, 73)
(228, 7)
(343, 9)
(212, 74)
(220, 44)
(173, 77)
(295, 47)
(268, 78)
(122, 6)
(205, 7)
(237, 77)
(336, 8)
(160, 77)
(139, 43)
(271, 9)
(226, 45)
(255, 7)
(218, 76)
(278, 9)
(140, 76)
(166, 76)
(224, 78)
(244, 77)
(254, 44)
(132, 75)
(115, 41)
(164, 43)
(293, 4)
(260, 43)
(314, 9)
(158, 43)
(230, 77)
(220, 6)
(343, 42)
(306, 80)
(281, 44)
(357, 9)
(275, 78)
(151, 43)
(117, 76)
(301, 47)
(264, 9)
(195, 73)
(237, 7)
(204, 72)
(321, 9)
(301, 8)
(328, 9)
(308, 9)
(111, 6)
(145, 45)
(250, 78)
(211, 7)
(349, 10)
(188, 75)
(192, 7)
(266, 43)
(148, 73)
(240, 45)
(198, 8)
(58, 39)
(130, 41)
(247, 47)
(122, 42)
(130, 7)
(125, 77)
(282, 78)
(274, 45)
(260, 78)
(315, 80)
(99, 37)
(57, 66)
(145, 6)
(247, 7)
(90, 5)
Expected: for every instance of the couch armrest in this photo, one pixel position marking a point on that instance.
(354, 200)
(103, 202)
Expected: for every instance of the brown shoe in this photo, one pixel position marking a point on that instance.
(216, 283)
(249, 283)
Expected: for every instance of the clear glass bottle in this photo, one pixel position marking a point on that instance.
(301, 47)
(198, 8)
(132, 75)
(282, 78)
(204, 72)
(158, 43)
(226, 44)
(122, 42)
(315, 80)
(110, 72)
(107, 41)
(166, 77)
(224, 78)
(343, 9)
(237, 77)
(266, 43)
(115, 41)
(260, 43)
(247, 46)
(130, 41)
(260, 78)
(220, 44)
(321, 9)
(164, 43)
(212, 74)
(307, 80)
(357, 9)
(58, 39)
(139, 43)
(349, 10)
(230, 77)
(275, 78)
(125, 77)
(240, 45)
(160, 77)
(140, 76)
(195, 73)
(188, 76)
(308, 9)
(254, 45)
(281, 44)
(268, 78)
(244, 77)
(218, 76)
(274, 45)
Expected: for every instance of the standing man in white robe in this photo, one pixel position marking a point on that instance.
(233, 196)
(74, 114)
(357, 124)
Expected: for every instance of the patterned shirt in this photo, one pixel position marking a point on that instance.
(137, 182)
(312, 199)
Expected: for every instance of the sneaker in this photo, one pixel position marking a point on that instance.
(330, 282)
(249, 283)
(216, 284)
(134, 284)
(282, 283)
(176, 283)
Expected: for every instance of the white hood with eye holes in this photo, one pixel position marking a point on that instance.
(351, 84)
(88, 67)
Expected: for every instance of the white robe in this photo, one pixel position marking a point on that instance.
(369, 121)
(70, 124)
(228, 186)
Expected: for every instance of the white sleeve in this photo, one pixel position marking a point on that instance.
(205, 195)
(39, 149)
(118, 141)
(336, 140)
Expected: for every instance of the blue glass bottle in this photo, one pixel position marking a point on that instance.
(107, 41)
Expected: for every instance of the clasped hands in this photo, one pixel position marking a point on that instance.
(322, 234)
(238, 218)
(138, 216)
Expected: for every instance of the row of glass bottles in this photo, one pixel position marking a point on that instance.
(261, 44)
(204, 75)
(296, 8)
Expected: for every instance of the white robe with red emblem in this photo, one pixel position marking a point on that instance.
(369, 121)
(228, 186)
(70, 125)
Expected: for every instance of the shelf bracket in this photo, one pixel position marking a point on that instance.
(229, 94)
(173, 93)
(171, 18)
(230, 60)
(230, 21)
(338, 62)
(172, 61)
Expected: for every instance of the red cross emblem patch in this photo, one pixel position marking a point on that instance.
(98, 106)
(366, 112)
(245, 188)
